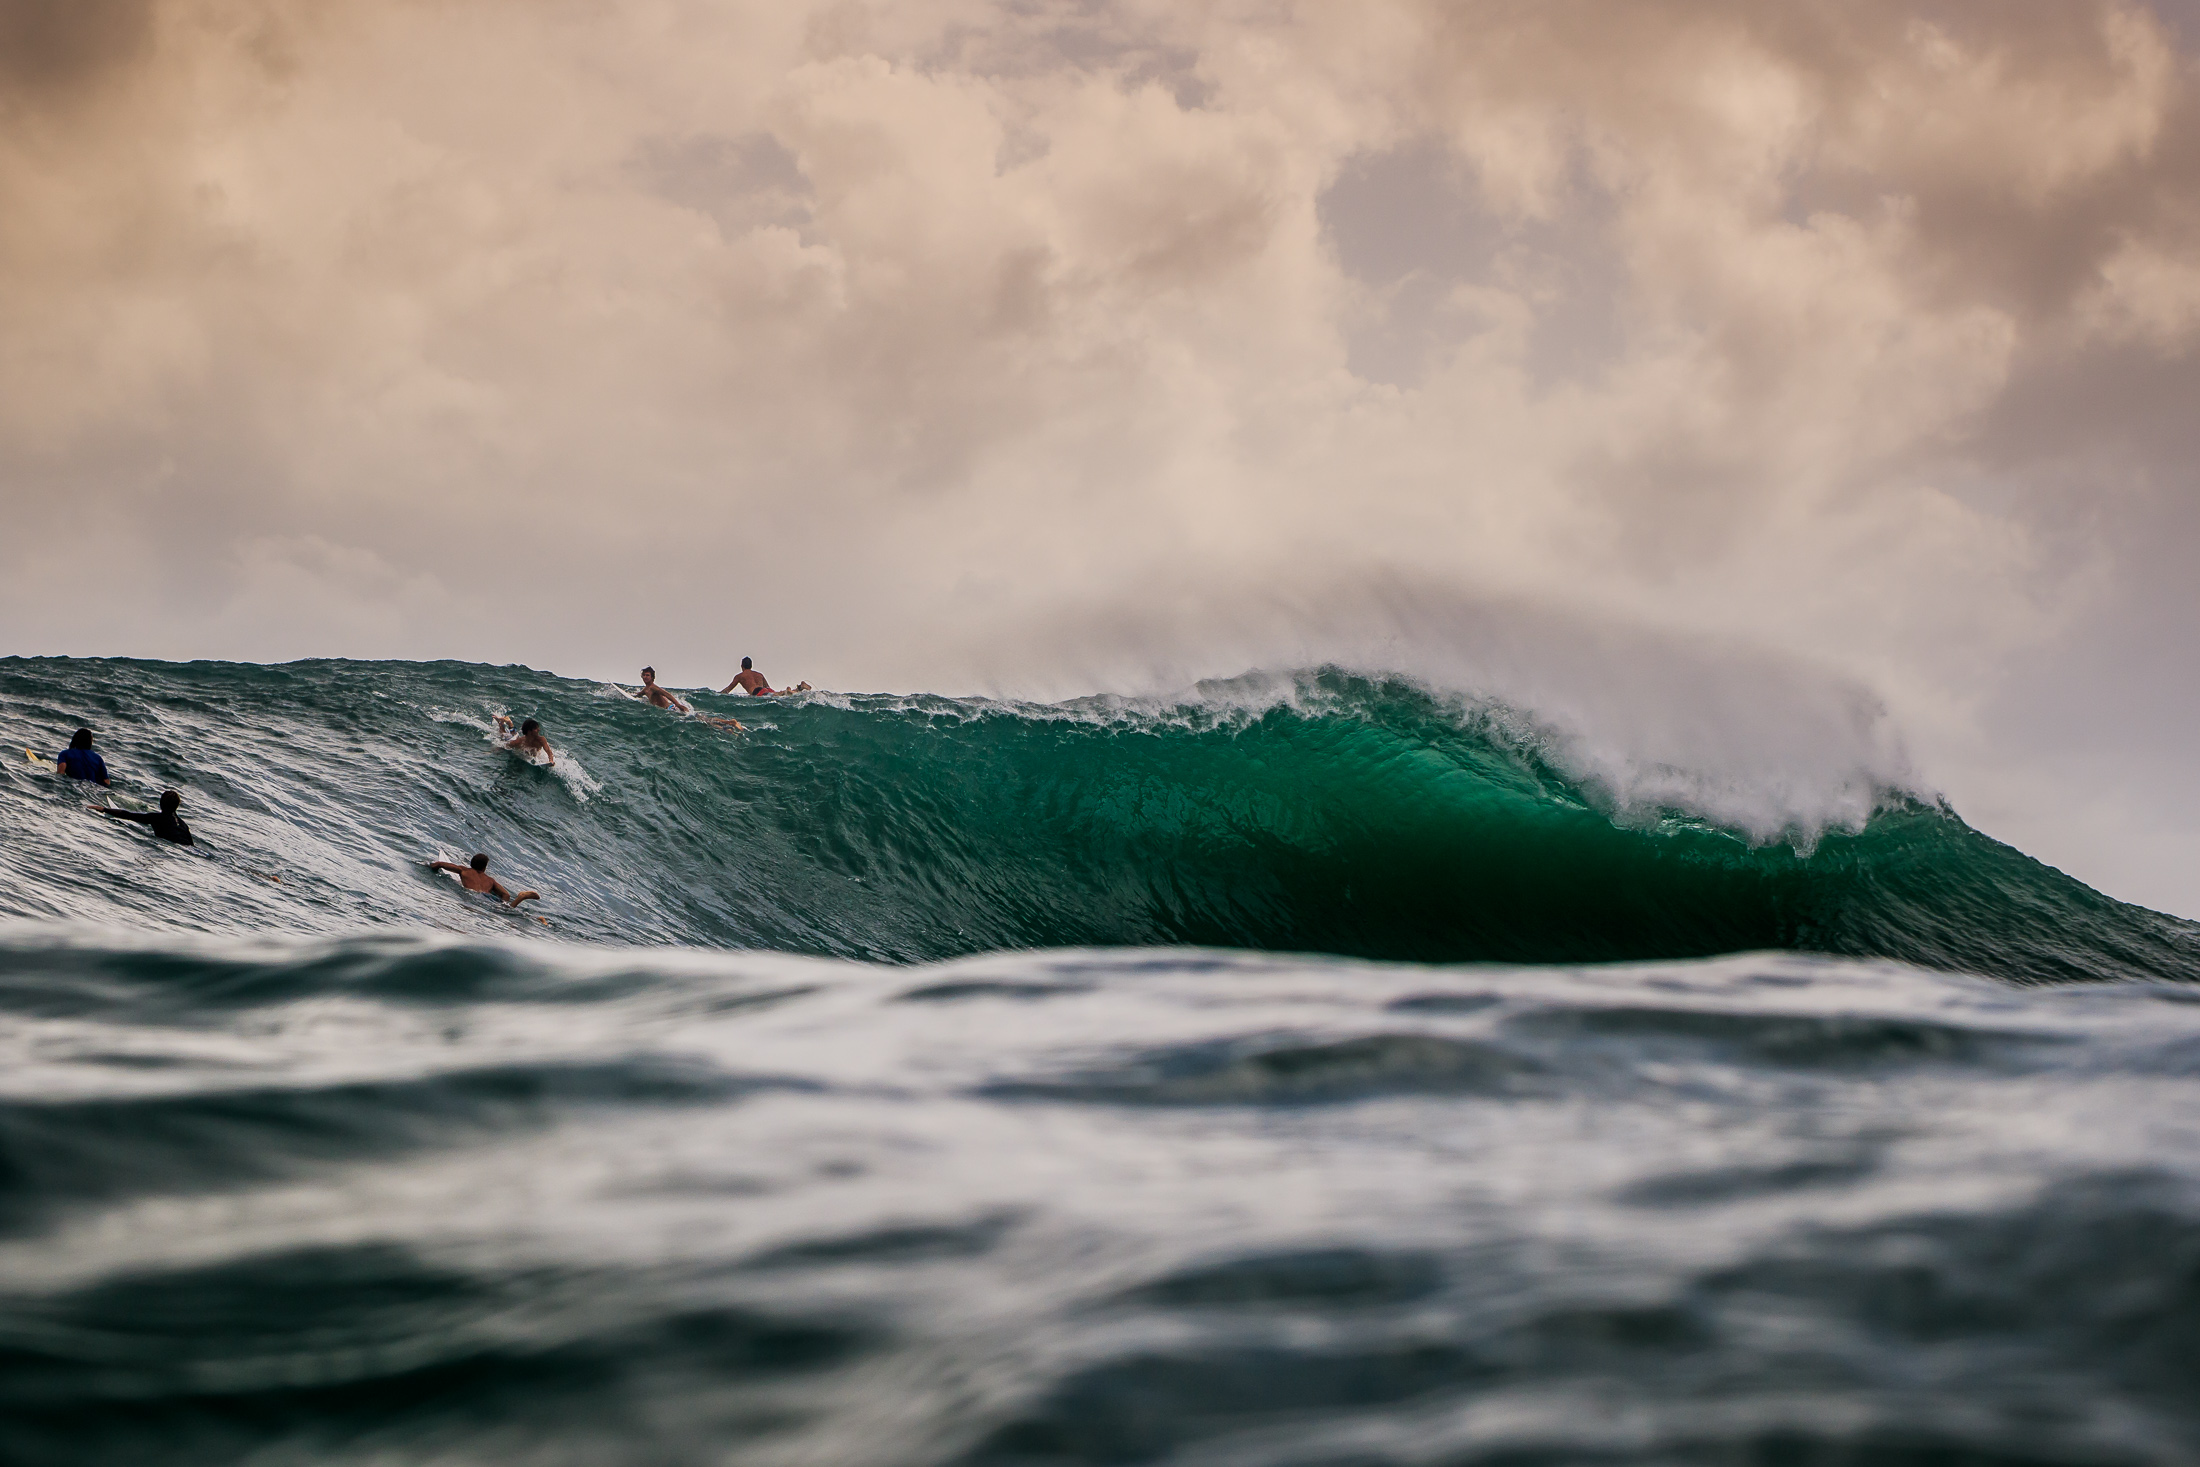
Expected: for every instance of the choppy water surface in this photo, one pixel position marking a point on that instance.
(340, 1168)
(403, 1201)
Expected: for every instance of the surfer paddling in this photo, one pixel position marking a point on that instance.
(80, 760)
(528, 740)
(657, 697)
(168, 825)
(662, 697)
(750, 681)
(475, 877)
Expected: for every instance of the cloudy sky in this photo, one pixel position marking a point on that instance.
(1053, 344)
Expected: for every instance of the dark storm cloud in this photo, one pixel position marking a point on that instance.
(53, 49)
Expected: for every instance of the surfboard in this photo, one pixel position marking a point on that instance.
(35, 757)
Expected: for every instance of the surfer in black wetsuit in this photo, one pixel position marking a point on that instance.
(475, 877)
(167, 824)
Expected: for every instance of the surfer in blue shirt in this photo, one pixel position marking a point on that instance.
(80, 760)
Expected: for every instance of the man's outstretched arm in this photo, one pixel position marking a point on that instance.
(445, 866)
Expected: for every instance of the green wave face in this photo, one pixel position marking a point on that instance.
(1350, 816)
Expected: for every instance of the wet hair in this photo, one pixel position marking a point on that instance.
(83, 739)
(169, 799)
(649, 672)
(480, 862)
(529, 726)
(744, 664)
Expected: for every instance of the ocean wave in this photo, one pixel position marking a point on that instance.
(1318, 810)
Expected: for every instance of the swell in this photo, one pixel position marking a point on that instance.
(1345, 815)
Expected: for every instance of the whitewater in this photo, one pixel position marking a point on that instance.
(1317, 1067)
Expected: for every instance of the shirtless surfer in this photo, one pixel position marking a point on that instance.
(529, 740)
(750, 681)
(474, 876)
(657, 697)
(661, 697)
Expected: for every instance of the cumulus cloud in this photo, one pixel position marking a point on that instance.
(870, 337)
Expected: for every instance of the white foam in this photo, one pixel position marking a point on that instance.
(565, 766)
(1647, 721)
(577, 780)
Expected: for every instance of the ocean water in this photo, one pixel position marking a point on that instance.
(1312, 1069)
